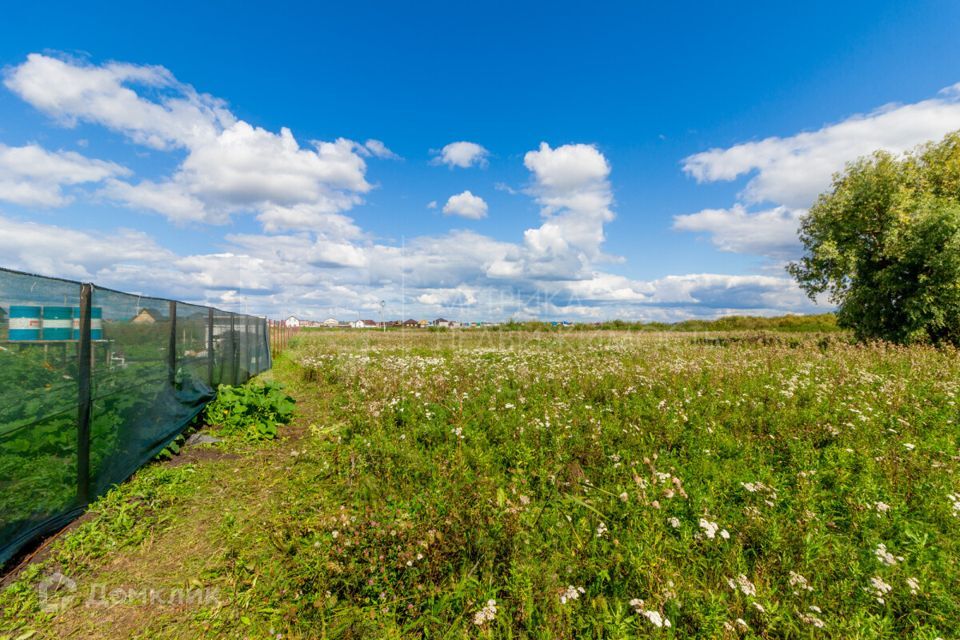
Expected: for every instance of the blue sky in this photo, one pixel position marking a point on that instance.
(142, 148)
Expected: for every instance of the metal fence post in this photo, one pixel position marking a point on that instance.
(172, 345)
(210, 347)
(234, 351)
(246, 348)
(85, 396)
(256, 345)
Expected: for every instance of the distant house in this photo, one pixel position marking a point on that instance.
(441, 322)
(330, 323)
(411, 323)
(147, 316)
(292, 322)
(423, 324)
(363, 324)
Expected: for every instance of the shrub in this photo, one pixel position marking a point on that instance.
(253, 412)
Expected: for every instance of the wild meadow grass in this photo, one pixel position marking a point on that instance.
(577, 484)
(618, 485)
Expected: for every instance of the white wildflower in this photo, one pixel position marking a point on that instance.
(674, 522)
(743, 584)
(881, 507)
(486, 614)
(880, 588)
(908, 446)
(653, 616)
(885, 556)
(656, 619)
(571, 593)
(914, 585)
(742, 623)
(601, 530)
(624, 496)
(955, 502)
(798, 581)
(812, 620)
(709, 528)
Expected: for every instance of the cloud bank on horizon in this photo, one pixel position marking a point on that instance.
(312, 257)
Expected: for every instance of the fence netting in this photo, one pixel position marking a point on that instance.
(94, 383)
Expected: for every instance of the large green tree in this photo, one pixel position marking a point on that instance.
(884, 245)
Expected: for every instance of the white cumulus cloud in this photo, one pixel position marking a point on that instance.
(463, 155)
(49, 249)
(466, 205)
(792, 171)
(32, 176)
(71, 91)
(377, 149)
(571, 184)
(230, 167)
(461, 296)
(770, 232)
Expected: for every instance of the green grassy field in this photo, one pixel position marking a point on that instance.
(550, 485)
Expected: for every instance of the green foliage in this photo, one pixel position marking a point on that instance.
(884, 245)
(252, 411)
(173, 449)
(793, 323)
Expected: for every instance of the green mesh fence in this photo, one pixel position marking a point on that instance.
(94, 383)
